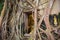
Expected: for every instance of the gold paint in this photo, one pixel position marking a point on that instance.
(30, 23)
(55, 20)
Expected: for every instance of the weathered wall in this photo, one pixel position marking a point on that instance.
(55, 8)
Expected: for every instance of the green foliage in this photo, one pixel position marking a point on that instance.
(1, 5)
(59, 18)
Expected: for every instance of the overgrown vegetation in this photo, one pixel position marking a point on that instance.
(14, 22)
